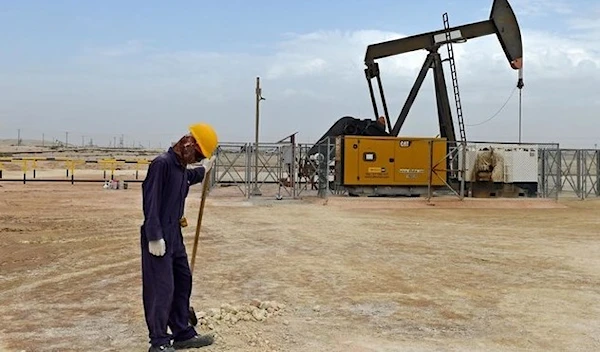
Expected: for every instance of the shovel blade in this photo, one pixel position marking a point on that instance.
(193, 319)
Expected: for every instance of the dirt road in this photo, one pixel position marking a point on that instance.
(347, 275)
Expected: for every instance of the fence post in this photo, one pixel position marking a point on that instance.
(24, 171)
(542, 178)
(597, 156)
(293, 167)
(248, 168)
(580, 181)
(463, 169)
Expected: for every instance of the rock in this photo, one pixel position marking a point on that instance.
(228, 308)
(317, 308)
(258, 315)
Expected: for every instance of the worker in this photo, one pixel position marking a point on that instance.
(166, 275)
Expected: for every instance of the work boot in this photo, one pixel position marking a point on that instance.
(162, 348)
(194, 342)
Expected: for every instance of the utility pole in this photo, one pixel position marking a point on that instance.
(82, 141)
(18, 137)
(43, 140)
(256, 190)
(66, 139)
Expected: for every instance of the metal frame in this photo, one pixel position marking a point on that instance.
(580, 172)
(236, 164)
(549, 171)
(271, 167)
(591, 172)
(459, 172)
(317, 172)
(229, 159)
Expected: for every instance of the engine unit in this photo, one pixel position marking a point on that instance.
(406, 166)
(490, 167)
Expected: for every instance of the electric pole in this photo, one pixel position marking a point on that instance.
(256, 190)
(18, 137)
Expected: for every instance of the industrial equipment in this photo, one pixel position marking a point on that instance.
(370, 165)
(387, 149)
(501, 170)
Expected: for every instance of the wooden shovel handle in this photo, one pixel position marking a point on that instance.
(205, 183)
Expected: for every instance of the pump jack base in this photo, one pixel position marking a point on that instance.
(388, 191)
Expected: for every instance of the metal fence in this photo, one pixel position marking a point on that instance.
(284, 170)
(281, 169)
(580, 173)
(268, 169)
(549, 171)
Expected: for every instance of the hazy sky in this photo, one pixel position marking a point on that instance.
(148, 69)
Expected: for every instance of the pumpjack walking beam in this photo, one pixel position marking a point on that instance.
(502, 22)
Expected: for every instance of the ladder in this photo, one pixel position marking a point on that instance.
(459, 115)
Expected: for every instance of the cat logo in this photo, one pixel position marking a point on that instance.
(404, 144)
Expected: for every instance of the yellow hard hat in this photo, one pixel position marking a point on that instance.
(206, 137)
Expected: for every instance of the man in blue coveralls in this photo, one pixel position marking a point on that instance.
(166, 276)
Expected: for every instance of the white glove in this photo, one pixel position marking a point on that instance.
(158, 247)
(208, 163)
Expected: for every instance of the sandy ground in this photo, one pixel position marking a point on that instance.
(353, 274)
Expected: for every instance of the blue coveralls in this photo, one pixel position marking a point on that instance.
(167, 280)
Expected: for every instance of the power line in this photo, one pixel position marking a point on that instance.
(496, 114)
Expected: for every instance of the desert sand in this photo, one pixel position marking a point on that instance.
(345, 274)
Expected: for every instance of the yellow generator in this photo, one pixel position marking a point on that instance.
(383, 165)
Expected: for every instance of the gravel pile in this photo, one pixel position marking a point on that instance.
(230, 315)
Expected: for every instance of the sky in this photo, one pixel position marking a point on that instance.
(146, 70)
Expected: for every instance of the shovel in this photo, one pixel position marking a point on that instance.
(193, 319)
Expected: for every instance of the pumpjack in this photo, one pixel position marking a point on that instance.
(360, 170)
